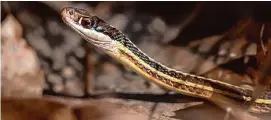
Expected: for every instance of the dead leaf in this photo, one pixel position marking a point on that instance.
(236, 71)
(52, 108)
(34, 109)
(21, 73)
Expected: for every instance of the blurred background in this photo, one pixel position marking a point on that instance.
(43, 60)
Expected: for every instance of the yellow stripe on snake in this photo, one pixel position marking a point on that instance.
(117, 45)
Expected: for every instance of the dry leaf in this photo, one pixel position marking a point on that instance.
(66, 109)
(21, 74)
(34, 109)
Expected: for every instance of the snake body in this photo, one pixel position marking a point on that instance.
(116, 44)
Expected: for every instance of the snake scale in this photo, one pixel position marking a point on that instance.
(116, 44)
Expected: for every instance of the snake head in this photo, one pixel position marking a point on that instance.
(91, 28)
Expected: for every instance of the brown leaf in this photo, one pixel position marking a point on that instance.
(67, 109)
(262, 78)
(237, 72)
(34, 109)
(21, 74)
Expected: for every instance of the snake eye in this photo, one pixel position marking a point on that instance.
(70, 12)
(85, 22)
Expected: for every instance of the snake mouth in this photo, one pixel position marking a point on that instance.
(72, 17)
(105, 44)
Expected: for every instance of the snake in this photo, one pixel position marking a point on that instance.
(114, 43)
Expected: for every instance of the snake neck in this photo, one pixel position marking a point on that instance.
(175, 80)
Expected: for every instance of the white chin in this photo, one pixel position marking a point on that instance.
(98, 39)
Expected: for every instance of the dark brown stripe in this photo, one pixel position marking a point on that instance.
(187, 78)
(115, 34)
(200, 92)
